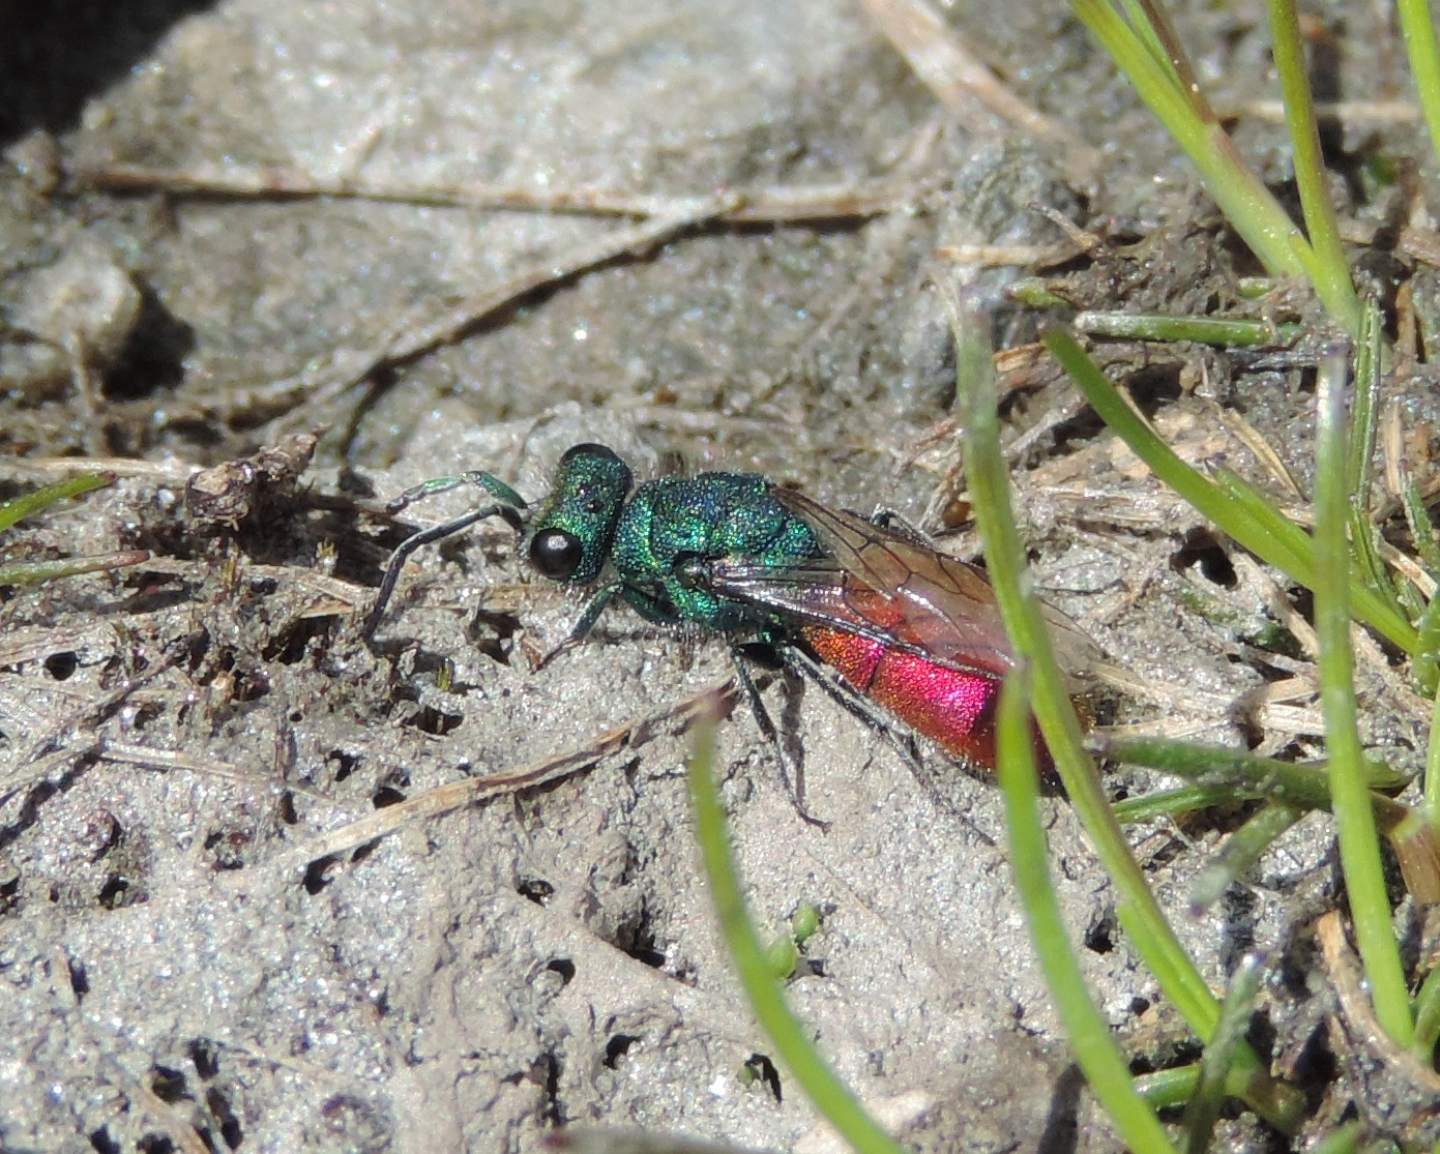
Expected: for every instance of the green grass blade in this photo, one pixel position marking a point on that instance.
(1427, 1018)
(1365, 416)
(1225, 332)
(1371, 593)
(1242, 849)
(1343, 1140)
(35, 572)
(1427, 658)
(1150, 35)
(28, 504)
(1215, 1064)
(1412, 836)
(1304, 785)
(989, 492)
(1245, 201)
(1259, 219)
(1432, 766)
(1173, 802)
(1167, 1089)
(790, 1040)
(1422, 532)
(1419, 31)
(1354, 815)
(1237, 510)
(1333, 283)
(1095, 1051)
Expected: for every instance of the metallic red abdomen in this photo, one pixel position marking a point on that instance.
(953, 708)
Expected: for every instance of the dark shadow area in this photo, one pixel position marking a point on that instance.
(1062, 1127)
(56, 56)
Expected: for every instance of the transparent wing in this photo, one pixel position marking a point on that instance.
(894, 588)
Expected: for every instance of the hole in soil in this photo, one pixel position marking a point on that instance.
(546, 1073)
(219, 1107)
(291, 646)
(1154, 386)
(250, 685)
(317, 874)
(1202, 551)
(167, 1084)
(764, 1072)
(62, 666)
(1100, 937)
(364, 851)
(112, 893)
(564, 967)
(203, 1053)
(434, 721)
(637, 938)
(492, 634)
(227, 846)
(155, 1144)
(345, 763)
(9, 890)
(386, 795)
(102, 1143)
(79, 979)
(616, 1048)
(1317, 1066)
(537, 890)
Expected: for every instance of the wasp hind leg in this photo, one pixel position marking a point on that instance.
(792, 770)
(800, 664)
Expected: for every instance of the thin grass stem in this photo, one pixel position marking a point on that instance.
(1354, 814)
(1095, 1051)
(1427, 1018)
(1242, 849)
(1418, 29)
(1432, 766)
(1215, 1064)
(830, 1097)
(28, 504)
(1234, 508)
(1224, 332)
(1246, 203)
(1136, 905)
(1174, 802)
(1333, 283)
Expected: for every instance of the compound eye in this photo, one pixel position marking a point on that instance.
(556, 553)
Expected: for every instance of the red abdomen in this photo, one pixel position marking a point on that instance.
(953, 708)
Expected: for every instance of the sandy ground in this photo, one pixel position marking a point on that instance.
(188, 963)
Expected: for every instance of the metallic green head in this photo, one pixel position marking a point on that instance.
(570, 536)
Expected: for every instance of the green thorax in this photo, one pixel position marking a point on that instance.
(713, 516)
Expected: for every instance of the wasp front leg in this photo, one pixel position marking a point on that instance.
(586, 623)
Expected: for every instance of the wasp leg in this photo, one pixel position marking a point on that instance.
(896, 521)
(800, 664)
(481, 480)
(402, 552)
(792, 773)
(584, 625)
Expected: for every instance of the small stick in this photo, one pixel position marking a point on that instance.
(414, 336)
(456, 794)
